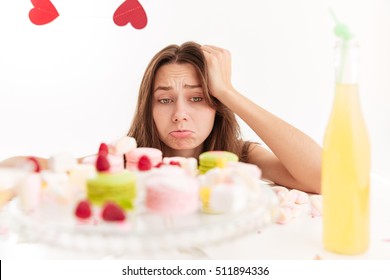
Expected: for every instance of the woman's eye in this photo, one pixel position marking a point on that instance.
(196, 99)
(165, 100)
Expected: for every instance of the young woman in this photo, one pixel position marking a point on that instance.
(187, 105)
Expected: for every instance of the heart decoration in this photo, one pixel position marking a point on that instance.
(43, 12)
(131, 11)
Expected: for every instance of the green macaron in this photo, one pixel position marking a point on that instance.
(211, 159)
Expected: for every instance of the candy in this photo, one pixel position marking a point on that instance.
(316, 205)
(291, 203)
(301, 197)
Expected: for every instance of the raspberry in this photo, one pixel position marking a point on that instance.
(103, 149)
(144, 163)
(102, 163)
(159, 164)
(174, 163)
(112, 212)
(83, 209)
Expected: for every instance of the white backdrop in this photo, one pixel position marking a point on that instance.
(71, 84)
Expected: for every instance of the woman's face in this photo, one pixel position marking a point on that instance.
(183, 118)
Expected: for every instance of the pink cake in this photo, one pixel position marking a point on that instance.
(170, 191)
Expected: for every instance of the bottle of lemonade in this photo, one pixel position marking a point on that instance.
(346, 159)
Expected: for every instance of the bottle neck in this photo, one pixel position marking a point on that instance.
(347, 62)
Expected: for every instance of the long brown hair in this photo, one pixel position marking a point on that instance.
(225, 135)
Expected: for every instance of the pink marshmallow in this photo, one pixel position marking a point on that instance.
(300, 197)
(316, 205)
(281, 192)
(285, 215)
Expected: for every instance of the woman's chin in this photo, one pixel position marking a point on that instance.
(184, 150)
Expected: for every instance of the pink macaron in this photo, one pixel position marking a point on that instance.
(132, 157)
(116, 162)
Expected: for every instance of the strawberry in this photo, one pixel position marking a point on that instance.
(144, 163)
(103, 149)
(102, 163)
(83, 209)
(113, 212)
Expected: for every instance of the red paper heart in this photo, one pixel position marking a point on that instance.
(43, 12)
(131, 11)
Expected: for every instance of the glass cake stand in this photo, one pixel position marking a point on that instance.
(144, 232)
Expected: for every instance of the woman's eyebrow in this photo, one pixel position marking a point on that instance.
(192, 86)
(166, 88)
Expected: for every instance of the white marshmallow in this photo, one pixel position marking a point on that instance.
(228, 198)
(124, 145)
(61, 162)
(29, 190)
(56, 188)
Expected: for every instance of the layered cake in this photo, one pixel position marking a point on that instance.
(171, 191)
(108, 186)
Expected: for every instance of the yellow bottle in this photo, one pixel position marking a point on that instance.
(346, 162)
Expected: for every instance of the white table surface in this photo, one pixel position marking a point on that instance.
(300, 238)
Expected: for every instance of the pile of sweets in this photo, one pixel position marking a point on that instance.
(112, 192)
(229, 185)
(53, 190)
(294, 203)
(168, 186)
(124, 179)
(142, 180)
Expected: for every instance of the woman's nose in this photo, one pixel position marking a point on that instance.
(180, 116)
(180, 113)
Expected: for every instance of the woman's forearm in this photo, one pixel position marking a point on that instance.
(300, 154)
(19, 161)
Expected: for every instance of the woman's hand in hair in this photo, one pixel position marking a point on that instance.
(219, 71)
